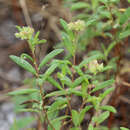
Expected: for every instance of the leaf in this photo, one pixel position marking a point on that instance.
(110, 47)
(41, 41)
(123, 128)
(22, 92)
(23, 63)
(48, 57)
(24, 56)
(28, 110)
(125, 34)
(103, 85)
(78, 70)
(109, 90)
(108, 108)
(90, 22)
(50, 70)
(101, 117)
(67, 43)
(22, 123)
(79, 5)
(64, 24)
(57, 104)
(77, 81)
(74, 128)
(75, 117)
(73, 91)
(59, 118)
(82, 113)
(65, 80)
(56, 93)
(90, 127)
(53, 82)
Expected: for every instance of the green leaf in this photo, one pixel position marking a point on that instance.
(50, 70)
(82, 113)
(108, 108)
(110, 47)
(56, 93)
(22, 123)
(64, 24)
(75, 117)
(26, 56)
(28, 110)
(41, 41)
(101, 117)
(65, 80)
(109, 90)
(103, 85)
(23, 63)
(78, 70)
(22, 92)
(53, 82)
(90, 22)
(79, 5)
(90, 127)
(59, 118)
(68, 43)
(73, 91)
(78, 81)
(57, 104)
(123, 128)
(125, 34)
(48, 57)
(75, 128)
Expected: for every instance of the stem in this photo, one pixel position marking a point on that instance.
(41, 89)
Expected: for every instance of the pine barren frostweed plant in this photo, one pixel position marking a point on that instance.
(69, 80)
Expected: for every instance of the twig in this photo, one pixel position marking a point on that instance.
(25, 12)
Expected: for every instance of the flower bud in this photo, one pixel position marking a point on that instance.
(25, 33)
(79, 25)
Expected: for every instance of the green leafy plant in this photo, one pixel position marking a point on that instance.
(86, 79)
(66, 82)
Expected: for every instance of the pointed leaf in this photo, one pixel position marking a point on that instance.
(109, 90)
(82, 113)
(57, 104)
(101, 117)
(79, 5)
(54, 82)
(64, 24)
(48, 57)
(90, 127)
(123, 128)
(26, 56)
(103, 85)
(22, 92)
(50, 70)
(75, 117)
(56, 93)
(23, 63)
(108, 108)
(125, 34)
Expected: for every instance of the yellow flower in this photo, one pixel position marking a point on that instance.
(25, 33)
(78, 25)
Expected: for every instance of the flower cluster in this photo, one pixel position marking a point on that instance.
(25, 33)
(94, 67)
(79, 25)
